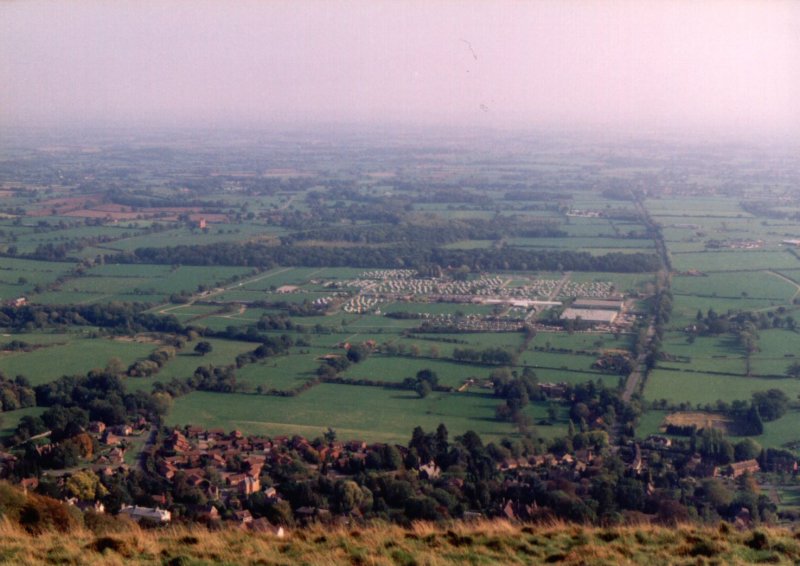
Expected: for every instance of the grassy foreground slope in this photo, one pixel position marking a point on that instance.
(495, 542)
(35, 529)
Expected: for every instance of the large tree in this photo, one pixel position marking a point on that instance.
(203, 348)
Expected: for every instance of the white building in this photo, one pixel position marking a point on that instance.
(590, 315)
(138, 513)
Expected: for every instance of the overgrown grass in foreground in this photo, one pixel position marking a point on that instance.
(485, 542)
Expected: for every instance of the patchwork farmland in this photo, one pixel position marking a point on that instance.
(334, 301)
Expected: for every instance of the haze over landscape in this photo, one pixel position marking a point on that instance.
(716, 66)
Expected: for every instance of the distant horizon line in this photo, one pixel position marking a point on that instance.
(285, 127)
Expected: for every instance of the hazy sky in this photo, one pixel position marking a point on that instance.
(716, 65)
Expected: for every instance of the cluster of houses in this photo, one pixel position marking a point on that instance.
(229, 467)
(412, 286)
(381, 274)
(322, 302)
(735, 244)
(237, 461)
(700, 468)
(575, 213)
(399, 284)
(475, 323)
(361, 304)
(389, 285)
(107, 460)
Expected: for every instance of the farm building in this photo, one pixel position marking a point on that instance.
(737, 469)
(596, 316)
(603, 304)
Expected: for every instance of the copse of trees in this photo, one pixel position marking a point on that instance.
(423, 383)
(357, 353)
(270, 346)
(712, 323)
(153, 364)
(516, 391)
(15, 393)
(594, 404)
(210, 378)
(102, 395)
(333, 365)
(771, 404)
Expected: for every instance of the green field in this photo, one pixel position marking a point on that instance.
(696, 206)
(74, 356)
(224, 352)
(583, 243)
(151, 284)
(373, 414)
(782, 432)
(470, 245)
(10, 419)
(621, 281)
(650, 423)
(575, 377)
(694, 388)
(184, 364)
(395, 369)
(685, 307)
(590, 341)
(777, 350)
(706, 353)
(758, 284)
(19, 277)
(280, 372)
(554, 360)
(734, 260)
(31, 239)
(591, 227)
(178, 236)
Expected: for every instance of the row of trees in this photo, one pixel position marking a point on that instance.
(254, 254)
(494, 356)
(440, 232)
(122, 317)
